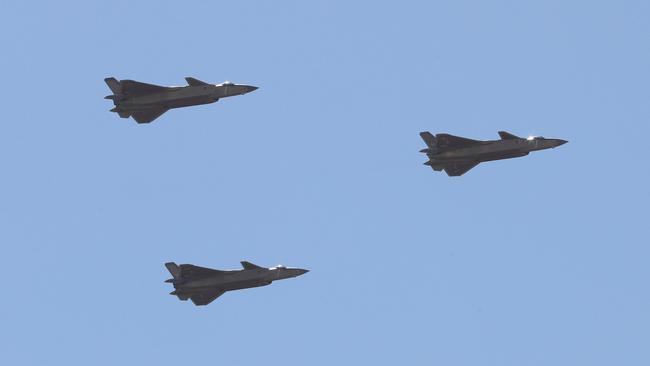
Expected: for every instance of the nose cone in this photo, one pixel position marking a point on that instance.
(295, 272)
(560, 142)
(248, 88)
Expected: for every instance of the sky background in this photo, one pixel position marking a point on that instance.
(541, 260)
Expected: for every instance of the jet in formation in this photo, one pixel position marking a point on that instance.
(204, 285)
(456, 155)
(146, 102)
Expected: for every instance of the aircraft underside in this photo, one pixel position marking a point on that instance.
(457, 166)
(169, 104)
(481, 157)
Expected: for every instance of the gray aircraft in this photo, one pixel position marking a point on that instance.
(146, 102)
(204, 285)
(456, 155)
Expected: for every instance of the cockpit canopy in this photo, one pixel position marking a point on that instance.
(227, 83)
(279, 266)
(531, 138)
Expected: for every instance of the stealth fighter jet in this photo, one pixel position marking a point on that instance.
(204, 285)
(146, 102)
(456, 155)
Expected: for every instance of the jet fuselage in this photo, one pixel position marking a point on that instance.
(183, 96)
(203, 285)
(495, 150)
(146, 102)
(235, 280)
(457, 155)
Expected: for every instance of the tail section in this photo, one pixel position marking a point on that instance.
(174, 269)
(181, 295)
(428, 138)
(114, 85)
(431, 141)
(431, 150)
(122, 113)
(435, 166)
(118, 94)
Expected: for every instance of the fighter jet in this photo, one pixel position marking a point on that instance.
(456, 155)
(204, 285)
(146, 102)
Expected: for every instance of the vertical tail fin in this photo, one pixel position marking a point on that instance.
(114, 85)
(429, 139)
(174, 269)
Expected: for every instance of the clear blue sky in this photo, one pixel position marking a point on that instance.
(541, 260)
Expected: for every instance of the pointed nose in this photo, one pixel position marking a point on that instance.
(300, 271)
(249, 88)
(560, 142)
